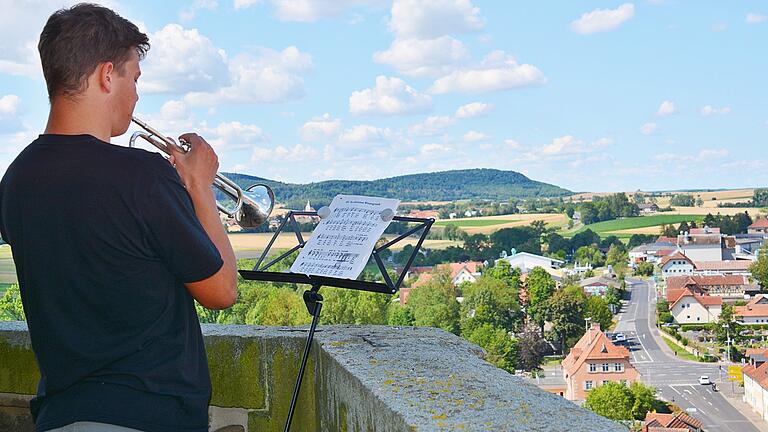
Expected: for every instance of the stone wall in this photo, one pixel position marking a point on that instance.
(359, 378)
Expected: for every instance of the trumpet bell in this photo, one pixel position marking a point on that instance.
(258, 201)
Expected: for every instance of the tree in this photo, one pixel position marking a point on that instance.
(540, 287)
(760, 197)
(759, 268)
(504, 272)
(644, 269)
(616, 255)
(11, 308)
(434, 303)
(280, 307)
(565, 311)
(585, 238)
(399, 315)
(500, 348)
(682, 200)
(490, 301)
(589, 254)
(557, 243)
(611, 400)
(644, 399)
(726, 325)
(597, 309)
(531, 347)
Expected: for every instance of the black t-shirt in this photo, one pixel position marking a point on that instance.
(104, 238)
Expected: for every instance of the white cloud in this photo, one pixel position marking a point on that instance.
(704, 155)
(297, 153)
(308, 10)
(423, 57)
(390, 96)
(269, 78)
(475, 136)
(498, 71)
(432, 18)
(433, 125)
(708, 110)
(320, 128)
(234, 130)
(600, 20)
(666, 108)
(569, 145)
(182, 60)
(649, 128)
(512, 144)
(9, 104)
(753, 18)
(197, 5)
(365, 134)
(434, 148)
(473, 109)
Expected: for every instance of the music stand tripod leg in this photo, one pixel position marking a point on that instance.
(313, 300)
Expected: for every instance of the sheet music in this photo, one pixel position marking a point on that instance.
(342, 243)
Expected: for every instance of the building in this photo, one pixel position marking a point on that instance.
(757, 356)
(649, 208)
(676, 264)
(723, 268)
(706, 244)
(759, 226)
(726, 286)
(677, 422)
(594, 361)
(652, 252)
(754, 312)
(756, 388)
(527, 261)
(598, 285)
(460, 273)
(691, 307)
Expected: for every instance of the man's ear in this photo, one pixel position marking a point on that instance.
(106, 74)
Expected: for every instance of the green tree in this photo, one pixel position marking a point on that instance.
(597, 309)
(280, 307)
(490, 301)
(611, 400)
(500, 348)
(616, 256)
(504, 272)
(540, 287)
(434, 303)
(682, 200)
(760, 197)
(644, 269)
(726, 325)
(11, 308)
(399, 315)
(589, 254)
(565, 311)
(759, 268)
(531, 347)
(644, 399)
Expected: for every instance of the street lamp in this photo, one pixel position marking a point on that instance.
(728, 342)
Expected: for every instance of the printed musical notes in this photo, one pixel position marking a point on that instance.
(342, 242)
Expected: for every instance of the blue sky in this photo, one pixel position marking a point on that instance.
(591, 96)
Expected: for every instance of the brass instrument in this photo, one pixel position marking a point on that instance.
(252, 205)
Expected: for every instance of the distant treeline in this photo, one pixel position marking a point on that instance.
(603, 208)
(441, 186)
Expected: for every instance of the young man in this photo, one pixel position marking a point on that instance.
(112, 244)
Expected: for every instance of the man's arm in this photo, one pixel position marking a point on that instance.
(197, 169)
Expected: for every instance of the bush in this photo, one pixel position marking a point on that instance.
(684, 341)
(696, 327)
(666, 317)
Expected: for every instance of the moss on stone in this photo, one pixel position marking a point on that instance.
(23, 375)
(237, 375)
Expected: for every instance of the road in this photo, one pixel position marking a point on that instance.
(675, 379)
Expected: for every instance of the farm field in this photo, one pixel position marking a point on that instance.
(246, 244)
(489, 224)
(624, 228)
(753, 211)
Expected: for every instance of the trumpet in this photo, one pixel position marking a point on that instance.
(252, 205)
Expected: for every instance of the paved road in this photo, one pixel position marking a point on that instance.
(675, 379)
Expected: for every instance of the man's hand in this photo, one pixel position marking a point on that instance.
(197, 168)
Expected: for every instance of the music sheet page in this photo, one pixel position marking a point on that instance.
(342, 242)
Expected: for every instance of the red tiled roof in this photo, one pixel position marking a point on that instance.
(706, 281)
(665, 239)
(712, 230)
(664, 252)
(723, 265)
(755, 308)
(704, 300)
(593, 345)
(756, 351)
(759, 374)
(678, 420)
(759, 223)
(674, 256)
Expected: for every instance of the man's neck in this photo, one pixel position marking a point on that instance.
(68, 117)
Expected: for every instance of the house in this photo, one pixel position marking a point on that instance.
(726, 286)
(759, 226)
(598, 285)
(756, 388)
(677, 422)
(649, 208)
(676, 264)
(594, 361)
(754, 312)
(706, 244)
(527, 261)
(651, 251)
(723, 268)
(757, 356)
(460, 273)
(694, 308)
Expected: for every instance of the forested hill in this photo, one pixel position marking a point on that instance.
(440, 186)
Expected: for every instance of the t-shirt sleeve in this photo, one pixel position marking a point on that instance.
(175, 232)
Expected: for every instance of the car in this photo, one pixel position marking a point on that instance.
(619, 338)
(704, 380)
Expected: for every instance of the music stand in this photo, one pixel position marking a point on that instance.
(312, 298)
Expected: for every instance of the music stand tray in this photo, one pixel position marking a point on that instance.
(312, 298)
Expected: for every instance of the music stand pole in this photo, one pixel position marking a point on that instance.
(313, 300)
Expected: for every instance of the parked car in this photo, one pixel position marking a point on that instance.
(619, 338)
(704, 380)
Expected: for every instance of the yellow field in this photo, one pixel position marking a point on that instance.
(258, 241)
(753, 211)
(551, 219)
(654, 230)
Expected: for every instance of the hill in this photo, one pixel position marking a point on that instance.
(440, 186)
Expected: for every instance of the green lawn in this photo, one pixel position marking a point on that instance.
(635, 222)
(475, 223)
(683, 354)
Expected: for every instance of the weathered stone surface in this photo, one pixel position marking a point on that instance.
(359, 378)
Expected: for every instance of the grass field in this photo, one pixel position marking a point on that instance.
(475, 222)
(624, 228)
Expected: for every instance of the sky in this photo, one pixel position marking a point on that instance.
(587, 95)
